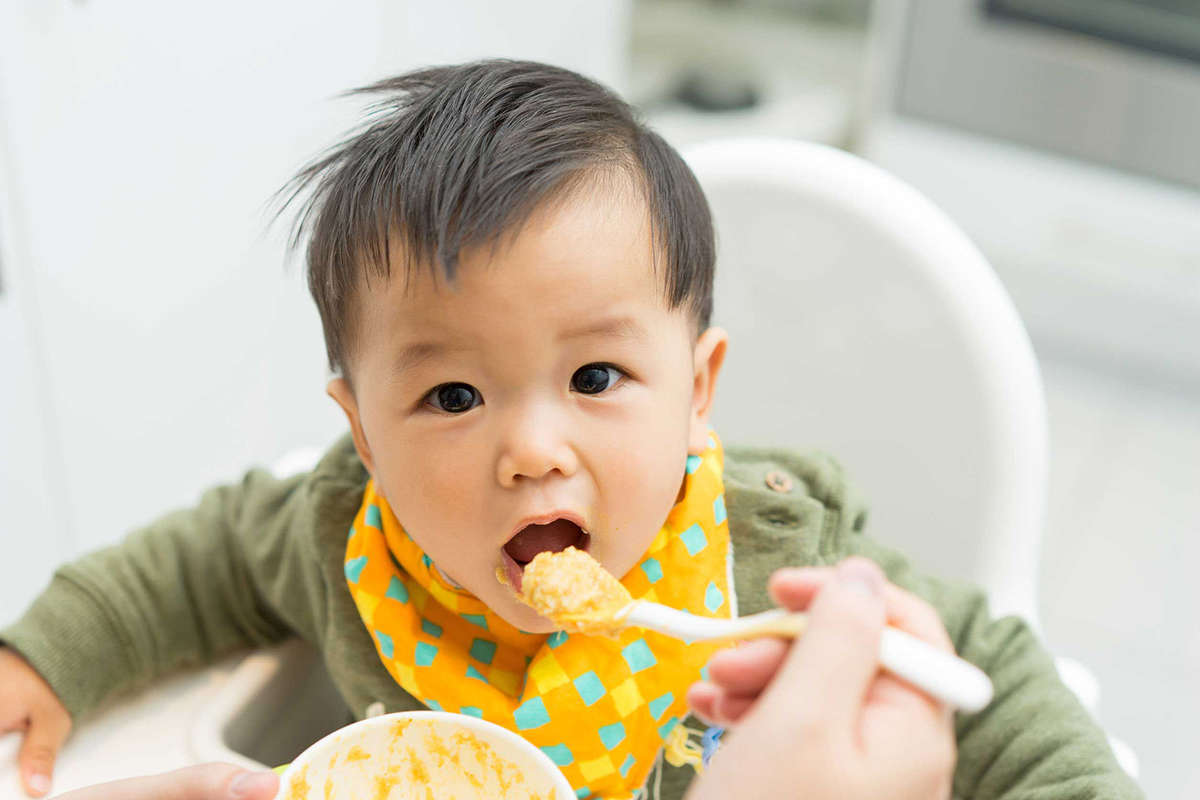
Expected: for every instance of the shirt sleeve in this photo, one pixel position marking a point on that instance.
(1035, 740)
(186, 589)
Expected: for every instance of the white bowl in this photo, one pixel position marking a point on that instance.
(415, 755)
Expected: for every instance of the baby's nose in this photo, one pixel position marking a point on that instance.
(533, 452)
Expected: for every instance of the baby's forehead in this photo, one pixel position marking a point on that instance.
(592, 245)
(559, 288)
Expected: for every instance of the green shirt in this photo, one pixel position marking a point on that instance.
(263, 560)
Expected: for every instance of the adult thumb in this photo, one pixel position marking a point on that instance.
(837, 658)
(200, 782)
(224, 782)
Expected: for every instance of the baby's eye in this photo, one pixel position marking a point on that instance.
(453, 398)
(595, 378)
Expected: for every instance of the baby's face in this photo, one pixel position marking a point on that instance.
(549, 398)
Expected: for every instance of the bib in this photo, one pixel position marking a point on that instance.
(601, 708)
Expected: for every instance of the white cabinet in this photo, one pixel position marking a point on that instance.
(143, 142)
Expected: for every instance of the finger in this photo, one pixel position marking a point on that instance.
(794, 588)
(702, 697)
(749, 667)
(212, 781)
(892, 691)
(48, 729)
(910, 613)
(715, 706)
(730, 708)
(829, 670)
(201, 782)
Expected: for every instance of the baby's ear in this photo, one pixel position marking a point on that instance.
(340, 390)
(709, 355)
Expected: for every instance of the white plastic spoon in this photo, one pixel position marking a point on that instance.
(947, 677)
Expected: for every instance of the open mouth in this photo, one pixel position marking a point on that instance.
(553, 536)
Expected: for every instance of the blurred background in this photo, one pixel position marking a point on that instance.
(152, 342)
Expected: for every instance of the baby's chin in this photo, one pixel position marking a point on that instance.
(537, 625)
(519, 615)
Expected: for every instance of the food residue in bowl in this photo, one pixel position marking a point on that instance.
(417, 760)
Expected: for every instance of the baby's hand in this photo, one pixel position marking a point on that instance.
(28, 704)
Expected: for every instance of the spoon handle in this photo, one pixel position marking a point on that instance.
(942, 675)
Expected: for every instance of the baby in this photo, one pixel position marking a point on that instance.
(514, 278)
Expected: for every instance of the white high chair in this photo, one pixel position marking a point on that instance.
(864, 323)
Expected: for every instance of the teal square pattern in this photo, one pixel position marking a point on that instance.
(612, 735)
(556, 638)
(629, 762)
(397, 590)
(373, 517)
(659, 705)
(653, 570)
(531, 714)
(693, 464)
(713, 597)
(719, 509)
(424, 654)
(589, 687)
(354, 568)
(471, 711)
(638, 656)
(583, 792)
(431, 628)
(665, 729)
(694, 539)
(482, 650)
(385, 643)
(476, 619)
(560, 754)
(476, 674)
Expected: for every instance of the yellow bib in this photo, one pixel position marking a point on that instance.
(600, 707)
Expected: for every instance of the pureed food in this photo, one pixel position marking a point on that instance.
(414, 759)
(572, 589)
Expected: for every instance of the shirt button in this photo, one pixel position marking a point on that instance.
(778, 482)
(376, 709)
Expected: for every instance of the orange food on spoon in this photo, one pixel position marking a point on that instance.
(572, 589)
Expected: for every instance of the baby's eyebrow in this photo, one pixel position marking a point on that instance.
(418, 353)
(618, 327)
(413, 355)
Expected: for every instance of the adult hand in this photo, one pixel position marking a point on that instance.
(29, 705)
(817, 717)
(202, 782)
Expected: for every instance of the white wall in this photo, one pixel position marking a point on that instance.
(148, 319)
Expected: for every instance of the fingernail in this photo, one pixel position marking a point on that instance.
(250, 784)
(39, 783)
(859, 577)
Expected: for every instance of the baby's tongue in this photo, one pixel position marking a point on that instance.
(553, 536)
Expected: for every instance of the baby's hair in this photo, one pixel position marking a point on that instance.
(452, 157)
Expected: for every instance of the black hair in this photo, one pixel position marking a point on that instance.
(452, 157)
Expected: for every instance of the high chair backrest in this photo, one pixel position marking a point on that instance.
(865, 324)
